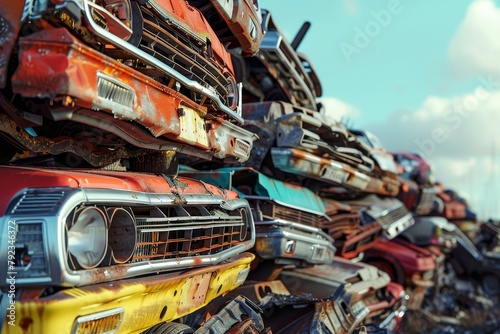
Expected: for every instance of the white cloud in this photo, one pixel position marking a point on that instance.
(475, 48)
(463, 126)
(337, 109)
(460, 137)
(351, 6)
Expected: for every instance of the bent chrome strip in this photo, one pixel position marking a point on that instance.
(110, 38)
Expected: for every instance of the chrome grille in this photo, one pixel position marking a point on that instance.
(273, 211)
(177, 232)
(103, 322)
(393, 216)
(425, 202)
(33, 202)
(163, 238)
(162, 41)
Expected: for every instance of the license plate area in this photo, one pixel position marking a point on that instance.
(192, 127)
(194, 292)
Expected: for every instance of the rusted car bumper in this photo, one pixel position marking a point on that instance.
(128, 306)
(330, 171)
(95, 81)
(299, 162)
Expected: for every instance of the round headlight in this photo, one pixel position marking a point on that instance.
(88, 236)
(246, 220)
(122, 234)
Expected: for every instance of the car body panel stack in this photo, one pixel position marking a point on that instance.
(168, 167)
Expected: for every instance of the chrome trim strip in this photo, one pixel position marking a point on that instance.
(118, 42)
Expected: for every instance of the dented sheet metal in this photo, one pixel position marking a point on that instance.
(138, 303)
(362, 239)
(323, 280)
(300, 162)
(385, 300)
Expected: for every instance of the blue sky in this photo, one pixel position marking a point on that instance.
(423, 78)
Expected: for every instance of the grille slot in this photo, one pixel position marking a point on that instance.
(29, 242)
(103, 322)
(36, 203)
(115, 93)
(163, 238)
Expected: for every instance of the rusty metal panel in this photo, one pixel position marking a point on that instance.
(306, 164)
(145, 301)
(363, 238)
(68, 68)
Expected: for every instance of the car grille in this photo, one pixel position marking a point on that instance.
(183, 55)
(178, 232)
(177, 237)
(393, 216)
(272, 211)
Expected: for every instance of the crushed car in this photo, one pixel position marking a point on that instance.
(93, 96)
(100, 246)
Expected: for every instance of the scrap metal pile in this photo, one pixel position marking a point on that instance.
(167, 167)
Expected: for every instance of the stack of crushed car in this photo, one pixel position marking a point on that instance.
(167, 167)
